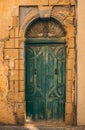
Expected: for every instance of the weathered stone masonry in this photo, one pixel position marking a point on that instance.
(15, 18)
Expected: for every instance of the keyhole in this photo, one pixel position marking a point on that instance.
(35, 71)
(56, 71)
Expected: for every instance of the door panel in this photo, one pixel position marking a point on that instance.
(45, 81)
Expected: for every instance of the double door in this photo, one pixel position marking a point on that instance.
(45, 81)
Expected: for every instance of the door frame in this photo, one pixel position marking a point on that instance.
(44, 41)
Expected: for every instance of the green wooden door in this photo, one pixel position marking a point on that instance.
(45, 81)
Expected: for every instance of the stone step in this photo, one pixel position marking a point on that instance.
(30, 127)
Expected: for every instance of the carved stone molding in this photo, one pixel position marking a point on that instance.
(45, 28)
(26, 11)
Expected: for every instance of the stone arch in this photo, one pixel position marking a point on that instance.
(56, 31)
(45, 28)
(70, 58)
(27, 21)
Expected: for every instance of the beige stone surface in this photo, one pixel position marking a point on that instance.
(14, 75)
(71, 43)
(69, 75)
(69, 86)
(14, 21)
(69, 119)
(12, 33)
(19, 64)
(21, 86)
(32, 2)
(21, 75)
(45, 11)
(70, 63)
(12, 87)
(71, 53)
(73, 2)
(6, 109)
(69, 96)
(9, 43)
(21, 54)
(69, 108)
(58, 2)
(81, 63)
(21, 97)
(11, 53)
(3, 81)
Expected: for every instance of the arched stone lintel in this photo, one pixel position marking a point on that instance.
(27, 21)
(67, 26)
(32, 18)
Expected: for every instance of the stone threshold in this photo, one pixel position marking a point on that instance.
(33, 127)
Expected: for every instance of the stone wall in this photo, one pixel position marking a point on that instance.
(13, 23)
(81, 63)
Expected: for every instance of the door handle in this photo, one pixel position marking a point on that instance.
(56, 71)
(35, 71)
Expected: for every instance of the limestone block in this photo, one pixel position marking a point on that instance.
(71, 53)
(13, 75)
(68, 119)
(71, 43)
(13, 85)
(20, 118)
(16, 86)
(70, 63)
(12, 33)
(11, 63)
(11, 53)
(70, 20)
(3, 86)
(1, 50)
(20, 108)
(19, 44)
(68, 97)
(9, 43)
(27, 12)
(69, 108)
(70, 34)
(21, 53)
(12, 97)
(73, 2)
(72, 11)
(20, 112)
(16, 32)
(19, 64)
(58, 16)
(69, 86)
(63, 12)
(59, 2)
(45, 11)
(32, 2)
(16, 64)
(16, 43)
(21, 97)
(4, 24)
(21, 75)
(14, 21)
(6, 113)
(21, 86)
(15, 11)
(3, 80)
(69, 75)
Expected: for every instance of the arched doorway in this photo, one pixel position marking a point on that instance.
(45, 70)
